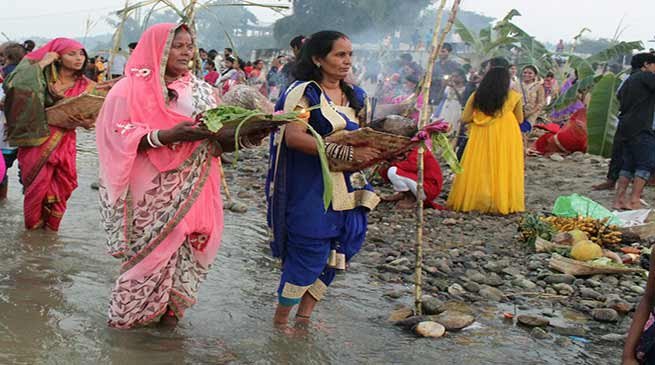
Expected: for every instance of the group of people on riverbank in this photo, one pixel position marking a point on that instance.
(159, 171)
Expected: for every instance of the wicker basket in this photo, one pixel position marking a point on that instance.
(390, 145)
(85, 105)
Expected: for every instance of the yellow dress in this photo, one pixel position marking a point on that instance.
(492, 180)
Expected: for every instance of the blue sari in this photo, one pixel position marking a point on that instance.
(311, 241)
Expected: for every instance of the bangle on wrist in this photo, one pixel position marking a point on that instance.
(339, 152)
(154, 135)
(150, 142)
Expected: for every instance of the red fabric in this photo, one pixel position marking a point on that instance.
(59, 45)
(49, 173)
(550, 127)
(571, 138)
(212, 77)
(432, 179)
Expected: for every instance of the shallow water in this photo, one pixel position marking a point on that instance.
(54, 290)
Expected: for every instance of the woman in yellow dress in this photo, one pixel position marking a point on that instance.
(492, 180)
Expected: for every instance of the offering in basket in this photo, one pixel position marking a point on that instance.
(238, 121)
(249, 98)
(86, 106)
(391, 146)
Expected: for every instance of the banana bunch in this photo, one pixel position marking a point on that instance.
(598, 230)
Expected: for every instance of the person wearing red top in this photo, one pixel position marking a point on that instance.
(212, 74)
(403, 175)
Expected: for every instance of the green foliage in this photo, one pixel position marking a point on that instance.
(491, 41)
(615, 51)
(571, 95)
(532, 226)
(602, 115)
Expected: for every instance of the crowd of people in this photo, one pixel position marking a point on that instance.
(159, 171)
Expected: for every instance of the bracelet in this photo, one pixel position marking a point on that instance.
(155, 138)
(339, 152)
(148, 138)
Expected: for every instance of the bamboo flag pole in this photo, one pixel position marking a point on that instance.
(437, 42)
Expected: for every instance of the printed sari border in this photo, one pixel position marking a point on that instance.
(52, 144)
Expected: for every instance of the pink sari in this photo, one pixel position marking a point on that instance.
(48, 171)
(162, 208)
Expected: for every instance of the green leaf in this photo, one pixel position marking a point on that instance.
(571, 94)
(582, 65)
(236, 134)
(325, 167)
(465, 34)
(441, 140)
(602, 116)
(610, 53)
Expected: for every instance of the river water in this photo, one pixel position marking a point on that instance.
(54, 290)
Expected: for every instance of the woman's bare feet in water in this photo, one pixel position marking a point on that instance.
(169, 319)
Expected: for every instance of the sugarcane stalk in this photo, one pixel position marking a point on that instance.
(437, 42)
(228, 196)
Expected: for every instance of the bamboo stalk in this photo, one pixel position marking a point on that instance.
(437, 42)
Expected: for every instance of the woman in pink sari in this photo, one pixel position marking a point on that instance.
(46, 153)
(159, 180)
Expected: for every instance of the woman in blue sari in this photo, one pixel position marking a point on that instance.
(312, 241)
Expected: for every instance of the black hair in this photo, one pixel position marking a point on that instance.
(201, 50)
(412, 79)
(460, 72)
(231, 59)
(240, 63)
(533, 68)
(550, 74)
(211, 63)
(448, 47)
(132, 45)
(257, 61)
(14, 53)
(319, 45)
(212, 53)
(494, 88)
(228, 49)
(297, 41)
(29, 45)
(640, 59)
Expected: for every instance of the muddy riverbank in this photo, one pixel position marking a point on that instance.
(54, 288)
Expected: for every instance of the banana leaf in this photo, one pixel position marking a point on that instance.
(466, 35)
(571, 95)
(582, 65)
(612, 52)
(602, 116)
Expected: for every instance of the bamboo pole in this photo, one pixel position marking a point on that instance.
(437, 42)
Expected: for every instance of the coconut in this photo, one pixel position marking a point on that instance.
(586, 251)
(578, 236)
